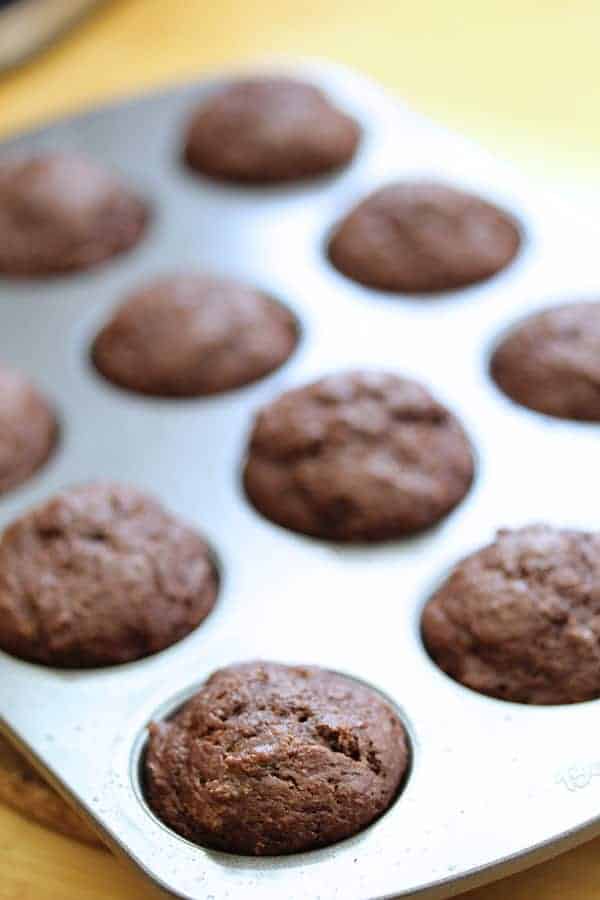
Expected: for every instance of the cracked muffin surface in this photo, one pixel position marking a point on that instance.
(262, 130)
(550, 362)
(271, 759)
(520, 619)
(357, 456)
(423, 237)
(98, 575)
(28, 429)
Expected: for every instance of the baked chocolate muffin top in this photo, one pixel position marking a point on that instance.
(28, 429)
(421, 237)
(520, 619)
(269, 130)
(62, 212)
(100, 574)
(190, 335)
(357, 456)
(270, 759)
(551, 362)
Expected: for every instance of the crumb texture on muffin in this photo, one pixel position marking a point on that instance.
(28, 429)
(101, 574)
(357, 456)
(268, 130)
(423, 237)
(551, 362)
(273, 759)
(63, 212)
(192, 335)
(520, 619)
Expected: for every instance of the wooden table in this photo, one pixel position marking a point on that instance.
(518, 75)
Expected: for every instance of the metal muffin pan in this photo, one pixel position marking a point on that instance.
(494, 786)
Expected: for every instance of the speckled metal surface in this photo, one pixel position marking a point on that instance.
(494, 786)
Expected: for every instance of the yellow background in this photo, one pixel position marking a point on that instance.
(520, 75)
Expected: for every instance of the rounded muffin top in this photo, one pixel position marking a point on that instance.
(550, 362)
(520, 619)
(100, 574)
(269, 130)
(272, 759)
(28, 429)
(423, 237)
(357, 456)
(62, 212)
(192, 335)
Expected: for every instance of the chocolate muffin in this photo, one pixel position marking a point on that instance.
(100, 574)
(270, 759)
(61, 212)
(421, 236)
(358, 456)
(269, 130)
(520, 619)
(28, 429)
(551, 362)
(189, 335)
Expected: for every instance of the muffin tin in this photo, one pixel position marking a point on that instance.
(493, 786)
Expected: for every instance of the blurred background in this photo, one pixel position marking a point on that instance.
(518, 75)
